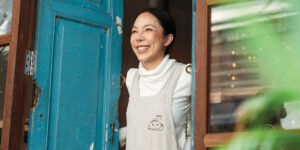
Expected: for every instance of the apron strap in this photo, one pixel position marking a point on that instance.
(175, 75)
(135, 90)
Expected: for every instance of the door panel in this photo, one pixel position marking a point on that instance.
(78, 48)
(77, 85)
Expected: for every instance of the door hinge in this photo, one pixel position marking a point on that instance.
(113, 131)
(112, 128)
(30, 63)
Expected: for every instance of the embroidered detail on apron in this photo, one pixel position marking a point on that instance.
(156, 124)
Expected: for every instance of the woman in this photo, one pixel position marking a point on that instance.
(159, 89)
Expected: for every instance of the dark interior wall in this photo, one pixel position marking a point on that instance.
(181, 51)
(181, 10)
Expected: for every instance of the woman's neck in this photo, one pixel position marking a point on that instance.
(153, 64)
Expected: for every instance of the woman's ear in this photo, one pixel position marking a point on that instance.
(168, 40)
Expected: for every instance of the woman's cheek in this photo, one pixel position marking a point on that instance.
(131, 37)
(156, 36)
(132, 41)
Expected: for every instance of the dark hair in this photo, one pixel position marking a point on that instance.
(166, 21)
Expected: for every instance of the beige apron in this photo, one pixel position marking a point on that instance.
(149, 118)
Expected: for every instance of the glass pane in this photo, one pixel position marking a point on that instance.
(234, 69)
(3, 66)
(292, 119)
(5, 16)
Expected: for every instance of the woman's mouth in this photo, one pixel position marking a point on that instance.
(141, 49)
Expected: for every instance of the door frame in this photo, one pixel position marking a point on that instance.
(20, 39)
(201, 72)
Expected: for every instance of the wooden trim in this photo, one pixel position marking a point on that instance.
(5, 39)
(22, 36)
(216, 2)
(201, 73)
(212, 3)
(217, 139)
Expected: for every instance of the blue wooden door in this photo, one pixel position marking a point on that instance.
(78, 44)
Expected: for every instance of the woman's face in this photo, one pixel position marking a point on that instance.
(148, 40)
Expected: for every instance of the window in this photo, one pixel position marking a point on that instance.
(5, 29)
(226, 68)
(3, 67)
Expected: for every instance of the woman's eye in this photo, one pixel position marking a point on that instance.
(133, 31)
(149, 29)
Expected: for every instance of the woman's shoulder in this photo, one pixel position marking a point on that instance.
(184, 83)
(129, 77)
(131, 72)
(186, 69)
(185, 79)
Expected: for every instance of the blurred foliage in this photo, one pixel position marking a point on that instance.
(279, 63)
(267, 108)
(260, 139)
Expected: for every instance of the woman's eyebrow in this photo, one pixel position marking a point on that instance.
(134, 27)
(149, 25)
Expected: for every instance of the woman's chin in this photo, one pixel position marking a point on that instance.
(142, 58)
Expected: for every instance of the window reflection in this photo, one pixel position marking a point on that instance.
(3, 66)
(234, 69)
(5, 16)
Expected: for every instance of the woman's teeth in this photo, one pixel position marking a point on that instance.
(143, 48)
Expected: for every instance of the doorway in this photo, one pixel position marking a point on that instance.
(181, 51)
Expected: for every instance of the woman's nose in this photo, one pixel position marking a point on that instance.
(140, 37)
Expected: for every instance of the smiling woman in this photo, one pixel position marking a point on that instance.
(150, 40)
(147, 40)
(159, 88)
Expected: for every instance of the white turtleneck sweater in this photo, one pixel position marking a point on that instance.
(151, 82)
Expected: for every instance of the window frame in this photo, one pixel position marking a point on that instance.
(19, 40)
(5, 39)
(203, 139)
